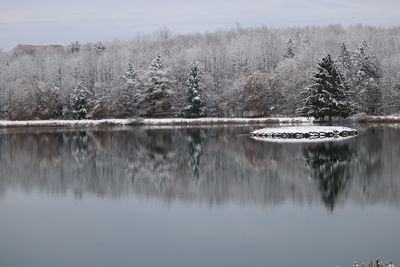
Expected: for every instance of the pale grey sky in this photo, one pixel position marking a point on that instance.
(61, 22)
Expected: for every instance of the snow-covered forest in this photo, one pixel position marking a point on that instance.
(242, 72)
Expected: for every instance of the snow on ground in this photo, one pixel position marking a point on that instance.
(302, 129)
(184, 121)
(303, 134)
(53, 123)
(168, 121)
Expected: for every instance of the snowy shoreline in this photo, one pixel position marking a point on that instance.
(166, 122)
(185, 121)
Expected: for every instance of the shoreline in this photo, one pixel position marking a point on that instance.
(186, 121)
(155, 122)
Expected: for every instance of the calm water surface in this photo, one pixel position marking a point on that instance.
(196, 197)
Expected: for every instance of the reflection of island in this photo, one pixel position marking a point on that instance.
(330, 167)
(212, 165)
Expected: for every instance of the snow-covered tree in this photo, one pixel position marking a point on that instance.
(75, 47)
(156, 102)
(129, 95)
(195, 107)
(371, 95)
(291, 83)
(345, 60)
(99, 47)
(367, 80)
(328, 95)
(289, 49)
(226, 59)
(158, 80)
(78, 100)
(261, 96)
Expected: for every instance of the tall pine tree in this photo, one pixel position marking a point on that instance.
(367, 80)
(328, 96)
(158, 80)
(195, 107)
(157, 102)
(289, 49)
(78, 100)
(129, 95)
(345, 61)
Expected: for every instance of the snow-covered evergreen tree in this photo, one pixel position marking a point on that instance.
(75, 47)
(327, 96)
(195, 107)
(345, 60)
(157, 76)
(367, 80)
(129, 95)
(156, 101)
(78, 100)
(99, 47)
(289, 49)
(130, 75)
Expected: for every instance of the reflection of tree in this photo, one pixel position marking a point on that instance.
(158, 149)
(46, 152)
(329, 164)
(79, 146)
(216, 165)
(195, 150)
(370, 162)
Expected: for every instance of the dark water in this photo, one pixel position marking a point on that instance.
(196, 197)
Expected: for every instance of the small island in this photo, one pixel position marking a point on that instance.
(305, 133)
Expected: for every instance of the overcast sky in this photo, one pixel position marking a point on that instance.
(61, 22)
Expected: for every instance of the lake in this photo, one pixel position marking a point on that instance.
(212, 196)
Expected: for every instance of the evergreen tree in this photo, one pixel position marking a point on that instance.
(289, 49)
(157, 76)
(371, 96)
(99, 47)
(367, 80)
(345, 60)
(156, 102)
(129, 95)
(130, 75)
(195, 107)
(75, 47)
(78, 101)
(327, 96)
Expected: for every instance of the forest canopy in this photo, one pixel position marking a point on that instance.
(239, 72)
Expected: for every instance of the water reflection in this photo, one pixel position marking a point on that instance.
(213, 165)
(195, 149)
(330, 167)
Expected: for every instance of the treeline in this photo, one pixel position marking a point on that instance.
(240, 72)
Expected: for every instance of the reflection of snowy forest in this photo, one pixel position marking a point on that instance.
(211, 165)
(242, 72)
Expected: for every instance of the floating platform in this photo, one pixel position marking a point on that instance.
(304, 133)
